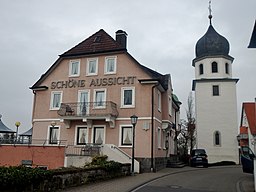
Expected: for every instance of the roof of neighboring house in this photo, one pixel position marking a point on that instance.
(252, 43)
(249, 110)
(243, 130)
(99, 43)
(3, 128)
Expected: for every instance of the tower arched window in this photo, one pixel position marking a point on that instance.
(226, 68)
(214, 67)
(201, 69)
(217, 138)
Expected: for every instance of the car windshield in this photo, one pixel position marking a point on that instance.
(199, 152)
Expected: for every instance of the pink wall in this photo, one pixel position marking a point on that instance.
(12, 155)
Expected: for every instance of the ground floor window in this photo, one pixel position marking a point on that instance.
(81, 138)
(126, 135)
(99, 135)
(53, 135)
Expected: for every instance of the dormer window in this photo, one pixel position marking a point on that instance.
(110, 65)
(214, 67)
(74, 68)
(201, 69)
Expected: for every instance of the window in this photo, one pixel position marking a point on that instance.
(215, 90)
(227, 68)
(159, 100)
(126, 135)
(53, 135)
(98, 135)
(201, 69)
(81, 136)
(83, 102)
(56, 98)
(159, 136)
(127, 96)
(92, 66)
(217, 138)
(214, 67)
(110, 65)
(99, 97)
(74, 68)
(170, 105)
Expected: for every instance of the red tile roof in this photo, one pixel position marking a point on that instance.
(249, 110)
(243, 130)
(99, 42)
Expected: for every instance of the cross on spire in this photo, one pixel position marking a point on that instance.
(210, 12)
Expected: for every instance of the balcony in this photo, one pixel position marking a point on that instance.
(88, 111)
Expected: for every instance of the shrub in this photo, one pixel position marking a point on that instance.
(21, 177)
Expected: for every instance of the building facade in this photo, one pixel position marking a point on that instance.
(215, 98)
(87, 96)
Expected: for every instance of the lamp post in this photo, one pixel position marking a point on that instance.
(17, 124)
(134, 119)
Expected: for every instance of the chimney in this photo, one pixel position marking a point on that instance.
(121, 37)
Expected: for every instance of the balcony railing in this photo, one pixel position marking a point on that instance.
(89, 109)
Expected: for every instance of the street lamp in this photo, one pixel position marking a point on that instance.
(134, 119)
(17, 124)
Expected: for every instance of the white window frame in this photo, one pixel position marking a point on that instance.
(104, 98)
(106, 65)
(88, 66)
(159, 100)
(121, 136)
(52, 98)
(93, 132)
(71, 68)
(76, 135)
(123, 89)
(159, 138)
(79, 101)
(49, 134)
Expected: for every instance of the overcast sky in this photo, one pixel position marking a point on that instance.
(161, 35)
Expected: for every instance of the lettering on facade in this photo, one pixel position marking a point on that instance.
(94, 82)
(112, 81)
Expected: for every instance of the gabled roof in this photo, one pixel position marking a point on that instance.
(99, 42)
(249, 110)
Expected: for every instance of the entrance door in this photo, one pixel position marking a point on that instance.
(247, 158)
(99, 135)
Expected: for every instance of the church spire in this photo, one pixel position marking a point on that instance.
(210, 12)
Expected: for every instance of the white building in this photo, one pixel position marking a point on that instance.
(215, 98)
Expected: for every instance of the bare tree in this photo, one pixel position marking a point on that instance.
(187, 136)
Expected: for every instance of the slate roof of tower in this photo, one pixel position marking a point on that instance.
(212, 43)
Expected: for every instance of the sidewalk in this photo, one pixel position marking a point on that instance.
(128, 183)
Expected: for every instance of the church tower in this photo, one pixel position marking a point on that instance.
(215, 97)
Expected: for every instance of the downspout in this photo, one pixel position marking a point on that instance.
(152, 168)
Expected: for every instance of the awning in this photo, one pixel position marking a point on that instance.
(3, 128)
(27, 133)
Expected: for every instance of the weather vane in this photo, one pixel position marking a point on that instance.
(210, 11)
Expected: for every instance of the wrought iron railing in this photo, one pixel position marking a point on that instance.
(88, 109)
(89, 149)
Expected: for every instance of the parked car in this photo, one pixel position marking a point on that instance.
(198, 157)
(247, 158)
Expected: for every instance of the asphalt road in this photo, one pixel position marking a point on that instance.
(214, 179)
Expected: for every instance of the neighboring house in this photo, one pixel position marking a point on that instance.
(86, 98)
(215, 98)
(247, 136)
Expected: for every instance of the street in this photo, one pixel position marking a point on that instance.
(217, 179)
